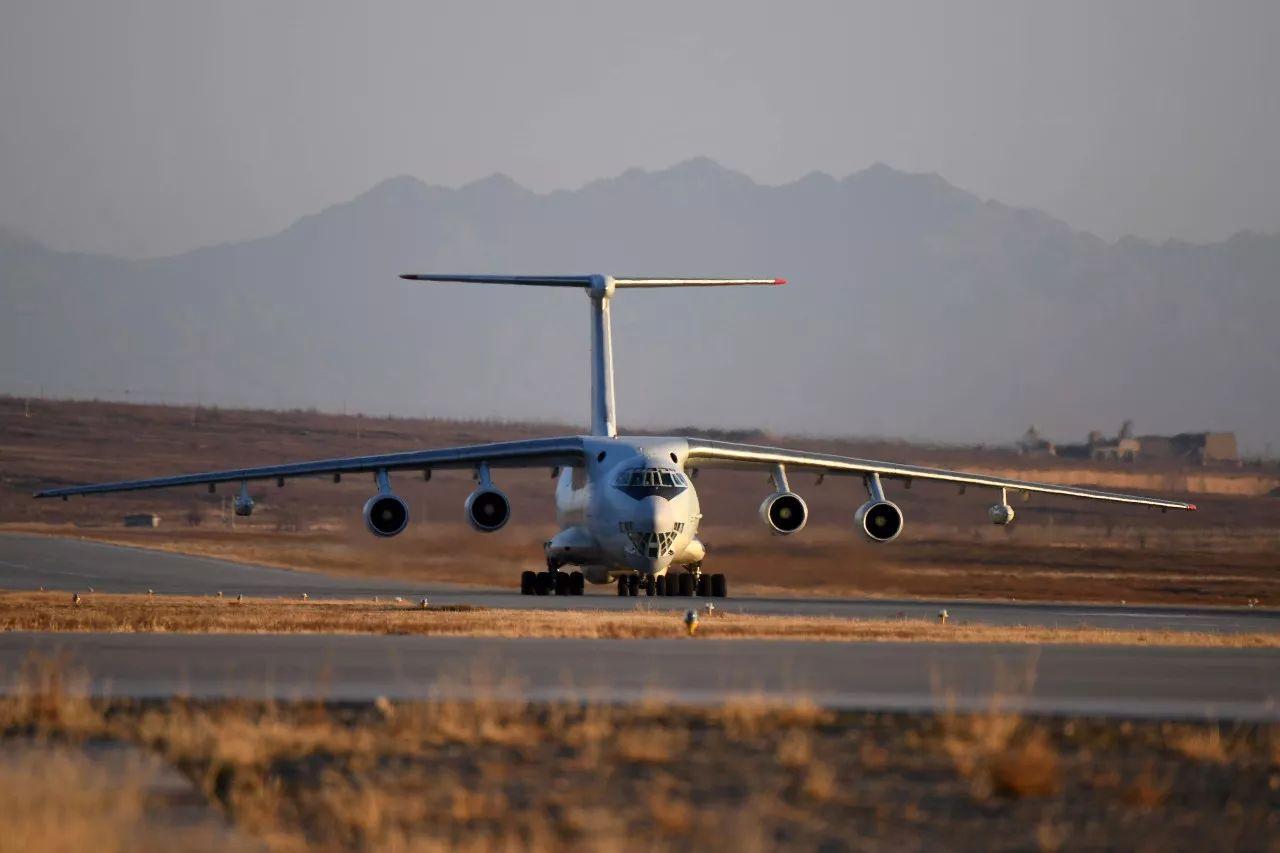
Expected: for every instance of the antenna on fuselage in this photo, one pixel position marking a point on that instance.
(600, 289)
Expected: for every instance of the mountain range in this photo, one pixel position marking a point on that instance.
(915, 309)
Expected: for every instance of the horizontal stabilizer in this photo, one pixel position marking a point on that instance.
(587, 281)
(695, 282)
(538, 280)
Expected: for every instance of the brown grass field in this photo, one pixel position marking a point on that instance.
(50, 611)
(1227, 553)
(490, 774)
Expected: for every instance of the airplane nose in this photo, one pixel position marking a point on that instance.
(654, 518)
(656, 514)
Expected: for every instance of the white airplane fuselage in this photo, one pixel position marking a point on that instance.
(631, 508)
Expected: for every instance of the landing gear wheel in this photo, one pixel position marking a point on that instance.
(704, 586)
(560, 582)
(650, 586)
(633, 585)
(660, 585)
(719, 588)
(577, 583)
(685, 585)
(673, 585)
(528, 583)
(622, 587)
(544, 584)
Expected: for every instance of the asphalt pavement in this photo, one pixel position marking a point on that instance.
(1198, 683)
(1135, 681)
(32, 562)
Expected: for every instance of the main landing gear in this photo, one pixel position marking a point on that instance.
(552, 582)
(688, 584)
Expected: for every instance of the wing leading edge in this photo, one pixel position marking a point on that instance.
(505, 454)
(705, 452)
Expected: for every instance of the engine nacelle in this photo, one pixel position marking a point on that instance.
(784, 512)
(488, 509)
(881, 520)
(386, 514)
(242, 505)
(1001, 514)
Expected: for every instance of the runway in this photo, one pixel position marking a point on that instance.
(1088, 680)
(1111, 680)
(31, 562)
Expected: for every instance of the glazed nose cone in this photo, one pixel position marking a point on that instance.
(654, 515)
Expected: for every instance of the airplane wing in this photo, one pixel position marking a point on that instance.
(707, 453)
(531, 453)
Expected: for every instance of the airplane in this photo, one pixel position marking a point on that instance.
(626, 506)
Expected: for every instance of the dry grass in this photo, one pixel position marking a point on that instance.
(57, 800)
(48, 611)
(1200, 744)
(489, 774)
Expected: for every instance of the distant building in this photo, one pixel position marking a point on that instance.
(1032, 444)
(1197, 448)
(143, 519)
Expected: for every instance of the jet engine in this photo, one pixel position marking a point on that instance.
(784, 512)
(880, 520)
(243, 505)
(1001, 514)
(386, 514)
(488, 509)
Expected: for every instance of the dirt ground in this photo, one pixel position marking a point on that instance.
(1227, 553)
(492, 775)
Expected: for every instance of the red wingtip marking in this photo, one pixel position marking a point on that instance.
(779, 281)
(1191, 507)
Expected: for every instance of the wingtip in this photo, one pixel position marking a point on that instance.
(1191, 507)
(779, 281)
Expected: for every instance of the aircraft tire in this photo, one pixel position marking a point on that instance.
(577, 583)
(544, 585)
(673, 585)
(685, 585)
(660, 585)
(704, 587)
(650, 586)
(719, 588)
(528, 583)
(633, 585)
(622, 587)
(561, 582)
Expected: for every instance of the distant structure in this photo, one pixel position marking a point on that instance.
(142, 519)
(1196, 448)
(1033, 444)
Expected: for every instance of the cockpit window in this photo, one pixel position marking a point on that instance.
(642, 482)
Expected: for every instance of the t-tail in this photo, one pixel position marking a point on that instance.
(600, 288)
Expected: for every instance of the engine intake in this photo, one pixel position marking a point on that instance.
(784, 512)
(1001, 514)
(386, 514)
(880, 520)
(243, 505)
(488, 510)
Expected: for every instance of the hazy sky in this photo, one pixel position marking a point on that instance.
(144, 128)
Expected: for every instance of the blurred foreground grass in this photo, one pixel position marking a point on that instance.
(488, 773)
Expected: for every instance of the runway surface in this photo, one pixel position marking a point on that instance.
(31, 562)
(1090, 680)
(1138, 681)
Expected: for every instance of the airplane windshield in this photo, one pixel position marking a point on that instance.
(642, 482)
